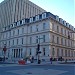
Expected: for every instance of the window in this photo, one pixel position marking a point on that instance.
(9, 43)
(68, 42)
(58, 29)
(61, 30)
(53, 51)
(18, 31)
(43, 38)
(22, 30)
(13, 33)
(57, 40)
(36, 27)
(69, 53)
(53, 26)
(65, 42)
(65, 53)
(13, 42)
(62, 41)
(44, 52)
(30, 40)
(44, 26)
(30, 28)
(36, 39)
(17, 41)
(62, 52)
(65, 32)
(22, 40)
(58, 52)
(30, 52)
(10, 34)
(21, 52)
(52, 38)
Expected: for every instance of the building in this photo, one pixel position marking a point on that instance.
(14, 10)
(55, 36)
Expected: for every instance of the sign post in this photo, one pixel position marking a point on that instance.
(4, 49)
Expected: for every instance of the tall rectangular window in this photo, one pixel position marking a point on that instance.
(52, 38)
(58, 52)
(65, 53)
(61, 30)
(36, 39)
(43, 38)
(17, 41)
(18, 31)
(44, 52)
(62, 52)
(62, 41)
(30, 28)
(57, 40)
(22, 30)
(53, 26)
(13, 33)
(9, 43)
(10, 34)
(53, 52)
(13, 42)
(58, 29)
(65, 32)
(30, 40)
(36, 27)
(65, 42)
(44, 26)
(22, 40)
(30, 52)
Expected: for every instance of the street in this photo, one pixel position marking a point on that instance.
(37, 69)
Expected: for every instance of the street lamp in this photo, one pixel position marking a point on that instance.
(38, 48)
(4, 49)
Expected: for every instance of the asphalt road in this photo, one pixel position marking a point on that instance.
(41, 69)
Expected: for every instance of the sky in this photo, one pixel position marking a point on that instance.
(63, 8)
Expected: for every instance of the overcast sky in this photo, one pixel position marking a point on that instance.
(63, 8)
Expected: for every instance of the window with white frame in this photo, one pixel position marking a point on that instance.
(44, 53)
(30, 52)
(17, 41)
(22, 30)
(36, 27)
(13, 32)
(18, 31)
(30, 29)
(57, 40)
(36, 39)
(22, 40)
(53, 28)
(44, 26)
(30, 40)
(43, 38)
(52, 38)
(53, 52)
(13, 42)
(61, 30)
(58, 29)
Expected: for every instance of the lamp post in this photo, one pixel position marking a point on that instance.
(4, 49)
(38, 47)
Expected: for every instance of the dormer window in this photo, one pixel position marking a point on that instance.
(33, 18)
(44, 15)
(21, 22)
(40, 16)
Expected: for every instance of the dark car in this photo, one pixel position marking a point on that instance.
(1, 58)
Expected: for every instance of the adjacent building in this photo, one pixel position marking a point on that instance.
(55, 36)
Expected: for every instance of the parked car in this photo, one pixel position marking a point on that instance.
(2, 58)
